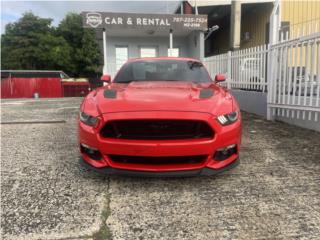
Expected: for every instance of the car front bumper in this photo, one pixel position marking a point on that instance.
(223, 136)
(187, 173)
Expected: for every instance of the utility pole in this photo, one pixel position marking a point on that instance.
(196, 7)
(235, 32)
(104, 39)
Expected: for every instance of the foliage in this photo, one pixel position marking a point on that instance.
(32, 43)
(86, 54)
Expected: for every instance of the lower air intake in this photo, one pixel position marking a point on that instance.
(197, 159)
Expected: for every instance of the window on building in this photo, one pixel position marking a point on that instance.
(148, 52)
(173, 52)
(121, 56)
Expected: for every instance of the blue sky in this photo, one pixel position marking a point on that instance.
(13, 10)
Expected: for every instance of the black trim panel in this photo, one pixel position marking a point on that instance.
(206, 93)
(188, 173)
(110, 93)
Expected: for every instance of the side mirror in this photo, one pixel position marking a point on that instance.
(220, 78)
(106, 78)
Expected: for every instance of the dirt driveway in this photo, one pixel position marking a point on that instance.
(273, 194)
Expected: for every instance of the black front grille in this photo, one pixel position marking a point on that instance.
(156, 129)
(197, 159)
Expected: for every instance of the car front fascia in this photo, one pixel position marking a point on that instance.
(224, 135)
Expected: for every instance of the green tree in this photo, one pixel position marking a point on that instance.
(21, 41)
(32, 43)
(55, 53)
(86, 56)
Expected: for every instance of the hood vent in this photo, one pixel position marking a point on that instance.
(110, 93)
(206, 93)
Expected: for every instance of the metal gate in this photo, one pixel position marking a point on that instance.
(295, 78)
(288, 71)
(245, 69)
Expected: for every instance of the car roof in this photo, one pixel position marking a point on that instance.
(162, 58)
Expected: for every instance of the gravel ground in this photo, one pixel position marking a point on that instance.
(273, 194)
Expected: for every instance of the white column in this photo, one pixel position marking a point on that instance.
(104, 39)
(229, 69)
(235, 25)
(170, 43)
(275, 23)
(196, 7)
(201, 45)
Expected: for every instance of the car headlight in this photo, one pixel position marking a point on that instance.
(227, 119)
(88, 120)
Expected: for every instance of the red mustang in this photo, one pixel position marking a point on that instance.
(160, 117)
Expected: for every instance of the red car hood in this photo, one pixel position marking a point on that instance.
(162, 96)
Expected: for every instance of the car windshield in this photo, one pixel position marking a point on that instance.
(162, 70)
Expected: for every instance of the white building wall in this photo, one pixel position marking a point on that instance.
(135, 43)
(190, 46)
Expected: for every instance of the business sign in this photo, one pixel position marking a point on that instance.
(147, 21)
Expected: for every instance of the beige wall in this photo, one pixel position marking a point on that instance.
(301, 14)
(304, 19)
(255, 22)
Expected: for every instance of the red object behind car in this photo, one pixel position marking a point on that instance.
(25, 84)
(160, 117)
(75, 89)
